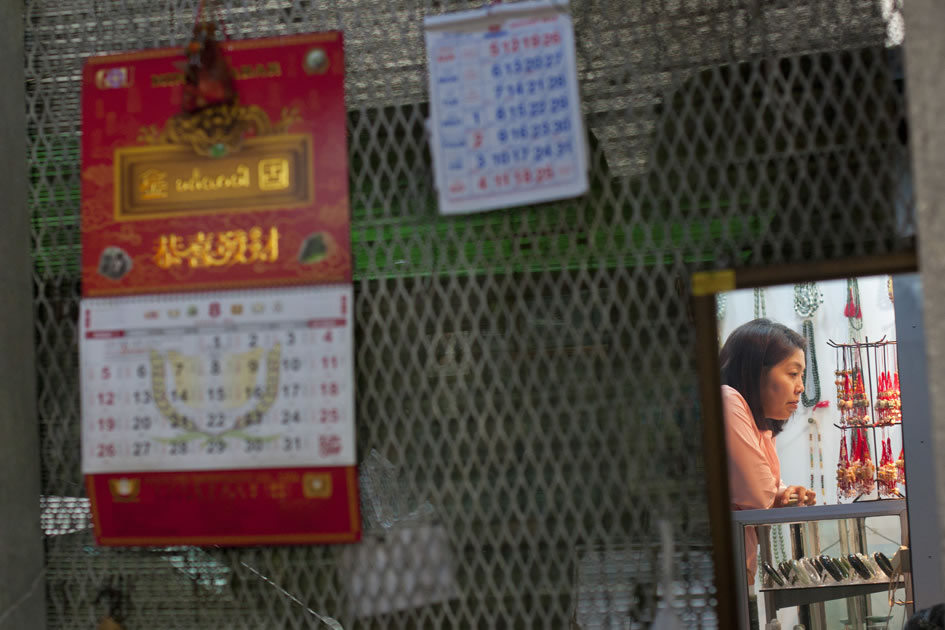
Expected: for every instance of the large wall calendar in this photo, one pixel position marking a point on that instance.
(216, 343)
(505, 112)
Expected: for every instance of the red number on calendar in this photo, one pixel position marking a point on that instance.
(329, 415)
(329, 444)
(510, 45)
(105, 450)
(329, 362)
(328, 336)
(106, 373)
(523, 176)
(330, 389)
(106, 398)
(106, 424)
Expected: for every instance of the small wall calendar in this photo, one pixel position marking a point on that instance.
(505, 114)
(230, 380)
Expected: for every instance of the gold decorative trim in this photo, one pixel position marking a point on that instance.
(219, 130)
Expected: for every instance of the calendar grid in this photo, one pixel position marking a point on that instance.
(268, 392)
(506, 118)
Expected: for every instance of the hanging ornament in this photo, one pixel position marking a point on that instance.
(208, 78)
(864, 470)
(888, 400)
(761, 309)
(889, 289)
(895, 395)
(861, 402)
(211, 120)
(901, 466)
(846, 478)
(887, 475)
(844, 389)
(807, 298)
(882, 399)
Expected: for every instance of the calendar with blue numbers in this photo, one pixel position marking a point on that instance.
(235, 380)
(505, 113)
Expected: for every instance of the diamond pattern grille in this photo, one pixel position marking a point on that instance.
(526, 402)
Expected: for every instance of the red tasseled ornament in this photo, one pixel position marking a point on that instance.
(850, 310)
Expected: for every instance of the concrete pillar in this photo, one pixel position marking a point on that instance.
(925, 93)
(22, 587)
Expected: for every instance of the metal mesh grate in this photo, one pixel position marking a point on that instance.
(526, 401)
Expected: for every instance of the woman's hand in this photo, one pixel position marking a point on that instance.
(795, 495)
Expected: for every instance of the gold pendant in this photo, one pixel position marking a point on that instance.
(107, 623)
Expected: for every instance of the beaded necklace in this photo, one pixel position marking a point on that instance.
(807, 298)
(761, 309)
(815, 426)
(719, 315)
(777, 539)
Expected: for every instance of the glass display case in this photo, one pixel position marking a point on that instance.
(836, 552)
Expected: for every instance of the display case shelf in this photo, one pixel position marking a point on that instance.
(861, 509)
(801, 595)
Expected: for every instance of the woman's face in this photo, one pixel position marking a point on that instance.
(781, 386)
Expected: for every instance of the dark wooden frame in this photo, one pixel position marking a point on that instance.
(705, 286)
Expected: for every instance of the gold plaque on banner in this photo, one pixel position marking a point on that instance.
(268, 173)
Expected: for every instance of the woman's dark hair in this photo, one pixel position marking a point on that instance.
(749, 351)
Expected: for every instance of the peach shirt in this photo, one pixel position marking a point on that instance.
(754, 471)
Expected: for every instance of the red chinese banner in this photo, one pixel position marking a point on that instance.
(252, 193)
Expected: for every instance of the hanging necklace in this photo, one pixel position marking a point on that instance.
(777, 538)
(852, 311)
(807, 298)
(761, 309)
(719, 315)
(815, 426)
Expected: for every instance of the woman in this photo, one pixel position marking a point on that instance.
(762, 380)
